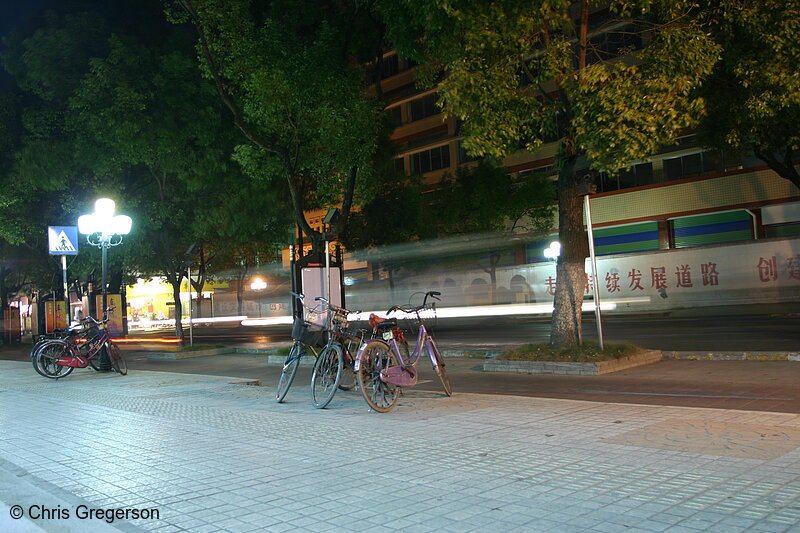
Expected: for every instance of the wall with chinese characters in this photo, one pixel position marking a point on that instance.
(761, 271)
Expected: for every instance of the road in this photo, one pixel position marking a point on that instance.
(706, 330)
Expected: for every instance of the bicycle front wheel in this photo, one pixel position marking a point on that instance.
(326, 375)
(379, 395)
(118, 362)
(348, 381)
(45, 360)
(289, 371)
(448, 390)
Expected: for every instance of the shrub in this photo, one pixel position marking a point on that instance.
(588, 352)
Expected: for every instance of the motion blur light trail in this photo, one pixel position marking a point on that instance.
(463, 312)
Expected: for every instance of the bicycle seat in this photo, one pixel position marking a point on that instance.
(382, 323)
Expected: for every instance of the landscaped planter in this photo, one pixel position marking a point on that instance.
(581, 369)
(186, 354)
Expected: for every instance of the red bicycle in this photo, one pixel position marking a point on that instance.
(57, 358)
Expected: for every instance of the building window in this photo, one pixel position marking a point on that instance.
(636, 176)
(613, 43)
(422, 107)
(396, 115)
(429, 160)
(692, 165)
(390, 66)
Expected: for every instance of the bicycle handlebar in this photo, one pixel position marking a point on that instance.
(409, 309)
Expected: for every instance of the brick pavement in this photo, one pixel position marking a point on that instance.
(211, 455)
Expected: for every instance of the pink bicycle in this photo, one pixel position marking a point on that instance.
(382, 369)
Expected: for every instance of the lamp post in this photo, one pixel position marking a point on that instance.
(104, 229)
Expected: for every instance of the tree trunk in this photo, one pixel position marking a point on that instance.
(240, 296)
(176, 296)
(3, 305)
(565, 328)
(494, 259)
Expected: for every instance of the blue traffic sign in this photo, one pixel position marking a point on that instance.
(62, 240)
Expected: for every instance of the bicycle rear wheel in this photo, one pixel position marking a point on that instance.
(379, 395)
(118, 362)
(45, 360)
(289, 371)
(326, 375)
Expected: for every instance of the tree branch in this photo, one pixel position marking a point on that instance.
(227, 98)
(347, 201)
(784, 169)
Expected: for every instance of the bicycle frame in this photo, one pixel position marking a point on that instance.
(405, 375)
(80, 356)
(304, 348)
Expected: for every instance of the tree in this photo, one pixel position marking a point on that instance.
(485, 199)
(288, 73)
(143, 113)
(132, 120)
(753, 94)
(525, 72)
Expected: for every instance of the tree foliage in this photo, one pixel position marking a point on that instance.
(612, 84)
(288, 73)
(133, 120)
(753, 94)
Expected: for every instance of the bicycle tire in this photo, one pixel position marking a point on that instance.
(442, 373)
(118, 362)
(44, 361)
(289, 371)
(379, 395)
(349, 379)
(326, 375)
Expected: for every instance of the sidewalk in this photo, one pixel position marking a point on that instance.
(207, 454)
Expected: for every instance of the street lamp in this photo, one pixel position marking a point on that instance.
(553, 251)
(104, 229)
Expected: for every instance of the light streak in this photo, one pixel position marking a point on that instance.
(464, 312)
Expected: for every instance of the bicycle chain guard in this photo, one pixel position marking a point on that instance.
(73, 361)
(399, 376)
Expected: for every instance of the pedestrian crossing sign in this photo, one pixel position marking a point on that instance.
(63, 240)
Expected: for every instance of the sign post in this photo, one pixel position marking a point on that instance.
(63, 241)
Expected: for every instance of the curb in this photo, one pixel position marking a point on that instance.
(491, 364)
(569, 368)
(733, 356)
(189, 354)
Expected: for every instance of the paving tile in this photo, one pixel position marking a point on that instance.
(211, 457)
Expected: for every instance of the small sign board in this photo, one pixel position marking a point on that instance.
(62, 240)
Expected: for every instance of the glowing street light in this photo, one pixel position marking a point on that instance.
(258, 284)
(553, 251)
(104, 229)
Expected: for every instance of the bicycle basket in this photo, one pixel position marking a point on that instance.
(339, 319)
(307, 333)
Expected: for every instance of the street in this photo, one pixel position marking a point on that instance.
(717, 329)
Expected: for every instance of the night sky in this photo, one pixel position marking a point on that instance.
(14, 11)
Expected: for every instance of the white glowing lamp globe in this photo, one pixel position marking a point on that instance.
(104, 221)
(553, 251)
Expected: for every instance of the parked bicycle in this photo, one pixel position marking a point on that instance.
(382, 369)
(57, 334)
(57, 358)
(334, 368)
(308, 336)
